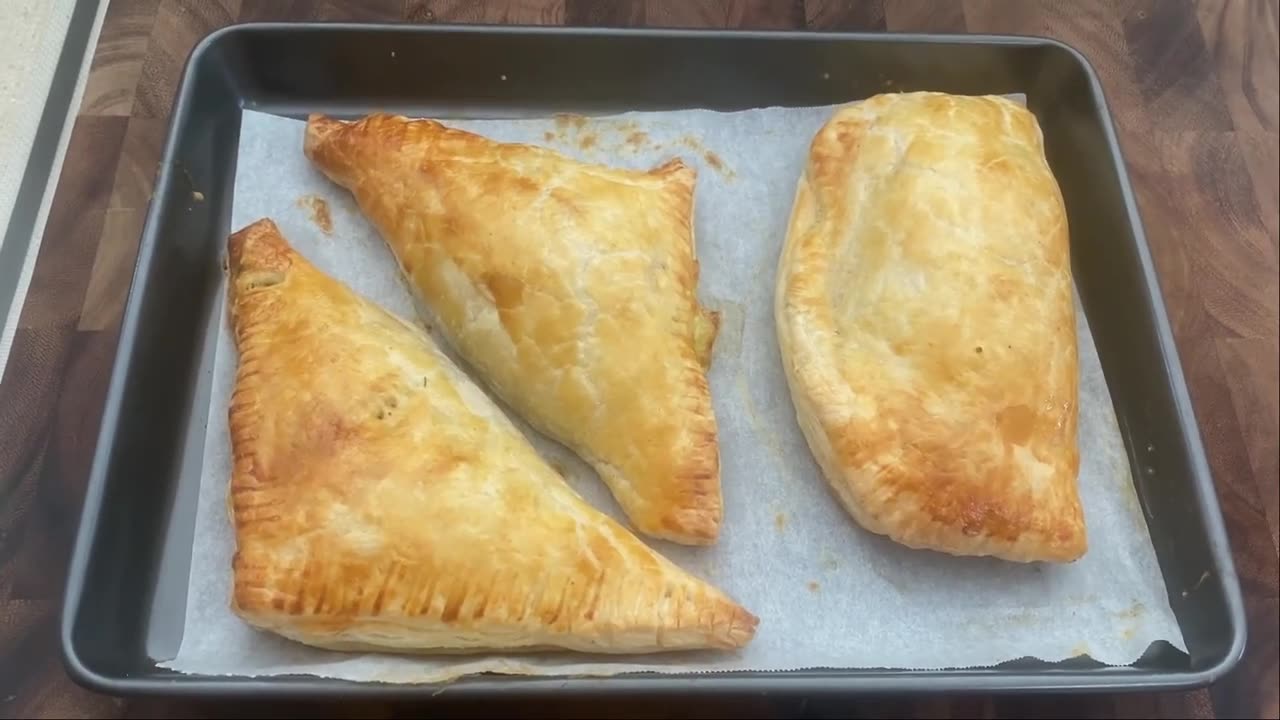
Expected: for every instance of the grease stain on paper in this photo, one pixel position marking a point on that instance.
(319, 212)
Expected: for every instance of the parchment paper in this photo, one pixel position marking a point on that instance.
(828, 594)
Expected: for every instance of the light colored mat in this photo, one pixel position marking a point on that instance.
(31, 40)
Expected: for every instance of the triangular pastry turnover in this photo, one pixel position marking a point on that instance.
(380, 500)
(569, 287)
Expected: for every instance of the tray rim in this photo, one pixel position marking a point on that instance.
(816, 681)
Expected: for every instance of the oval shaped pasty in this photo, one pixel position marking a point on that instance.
(925, 315)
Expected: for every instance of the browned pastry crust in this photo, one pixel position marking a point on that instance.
(569, 287)
(380, 500)
(926, 319)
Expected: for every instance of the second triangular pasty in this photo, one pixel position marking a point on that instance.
(381, 501)
(569, 287)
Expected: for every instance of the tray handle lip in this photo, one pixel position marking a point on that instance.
(1188, 424)
(1219, 543)
(73, 662)
(884, 36)
(742, 683)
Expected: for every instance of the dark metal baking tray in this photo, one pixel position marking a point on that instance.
(128, 577)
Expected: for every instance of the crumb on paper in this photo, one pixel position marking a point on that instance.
(690, 142)
(780, 521)
(717, 164)
(732, 319)
(637, 140)
(814, 586)
(569, 121)
(1134, 612)
(588, 141)
(568, 127)
(319, 212)
(197, 196)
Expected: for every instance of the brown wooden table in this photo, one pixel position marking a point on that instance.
(1193, 89)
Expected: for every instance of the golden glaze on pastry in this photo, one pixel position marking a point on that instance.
(925, 315)
(382, 501)
(569, 287)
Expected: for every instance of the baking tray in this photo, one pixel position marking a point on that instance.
(128, 577)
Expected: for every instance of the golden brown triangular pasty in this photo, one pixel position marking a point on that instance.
(927, 325)
(380, 500)
(570, 288)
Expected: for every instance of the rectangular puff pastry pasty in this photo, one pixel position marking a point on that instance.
(925, 315)
(382, 501)
(569, 288)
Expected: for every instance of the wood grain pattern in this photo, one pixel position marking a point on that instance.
(178, 26)
(507, 12)
(1261, 156)
(112, 272)
(926, 16)
(117, 63)
(742, 14)
(1249, 365)
(55, 411)
(1193, 89)
(1176, 74)
(853, 15)
(61, 273)
(1245, 56)
(139, 162)
(311, 10)
(622, 13)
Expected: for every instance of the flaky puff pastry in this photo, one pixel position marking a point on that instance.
(925, 314)
(382, 501)
(569, 287)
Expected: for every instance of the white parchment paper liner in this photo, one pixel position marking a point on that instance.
(828, 594)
